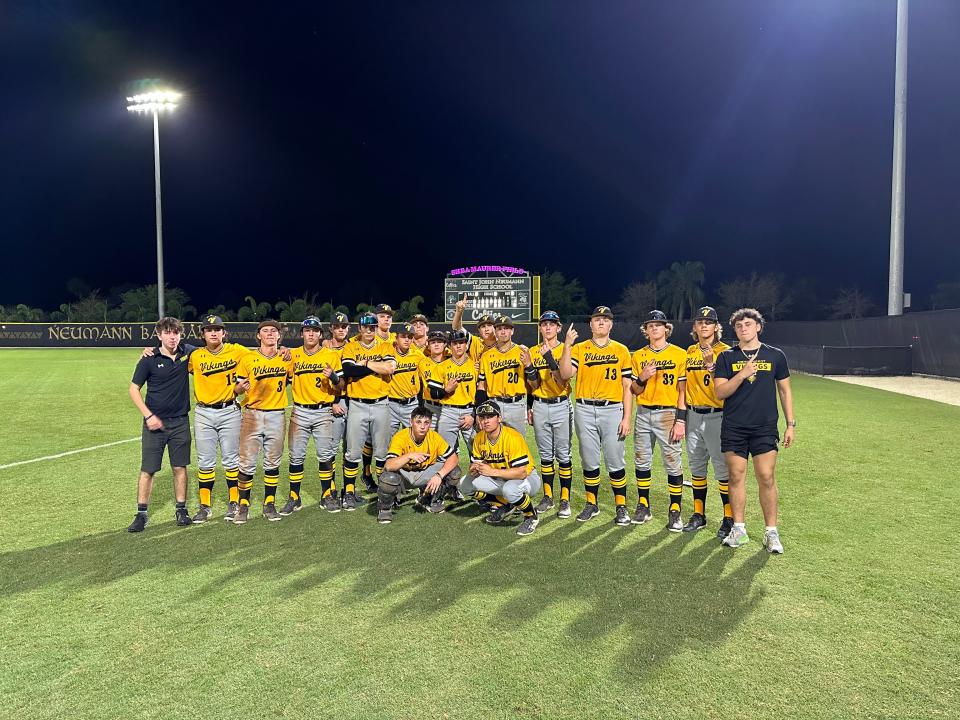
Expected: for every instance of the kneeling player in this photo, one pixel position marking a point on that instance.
(419, 457)
(500, 466)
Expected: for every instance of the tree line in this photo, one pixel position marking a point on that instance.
(678, 290)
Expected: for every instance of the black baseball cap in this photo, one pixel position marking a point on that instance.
(458, 336)
(384, 308)
(436, 335)
(602, 311)
(406, 329)
(503, 320)
(212, 321)
(420, 317)
(484, 320)
(656, 316)
(489, 407)
(707, 313)
(339, 318)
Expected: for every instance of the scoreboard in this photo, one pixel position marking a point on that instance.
(517, 297)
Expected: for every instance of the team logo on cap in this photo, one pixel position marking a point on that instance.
(488, 407)
(340, 319)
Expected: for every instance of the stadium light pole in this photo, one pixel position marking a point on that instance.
(155, 103)
(895, 288)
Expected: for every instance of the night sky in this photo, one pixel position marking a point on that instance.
(360, 150)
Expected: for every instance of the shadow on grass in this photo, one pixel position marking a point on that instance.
(652, 592)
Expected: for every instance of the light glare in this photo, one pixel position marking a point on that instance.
(152, 102)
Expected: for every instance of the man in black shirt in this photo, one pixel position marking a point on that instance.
(165, 418)
(748, 378)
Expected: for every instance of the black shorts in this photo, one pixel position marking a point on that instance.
(746, 441)
(175, 437)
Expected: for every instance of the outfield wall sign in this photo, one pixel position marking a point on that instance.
(512, 296)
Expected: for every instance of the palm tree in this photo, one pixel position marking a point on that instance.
(682, 288)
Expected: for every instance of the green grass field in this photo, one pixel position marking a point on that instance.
(445, 617)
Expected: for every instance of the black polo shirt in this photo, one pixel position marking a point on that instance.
(754, 404)
(168, 382)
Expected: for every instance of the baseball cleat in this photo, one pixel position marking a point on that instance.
(499, 514)
(771, 541)
(725, 527)
(243, 512)
(528, 525)
(385, 516)
(291, 507)
(232, 507)
(641, 515)
(589, 512)
(203, 514)
(454, 494)
(622, 518)
(546, 503)
(674, 523)
(436, 506)
(370, 485)
(330, 504)
(736, 537)
(139, 523)
(563, 511)
(696, 521)
(349, 502)
(270, 512)
(183, 518)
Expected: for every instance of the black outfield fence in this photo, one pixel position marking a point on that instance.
(827, 360)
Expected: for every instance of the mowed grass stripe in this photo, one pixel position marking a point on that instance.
(324, 615)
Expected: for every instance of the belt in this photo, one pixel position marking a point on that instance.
(266, 409)
(367, 401)
(313, 406)
(658, 407)
(458, 407)
(550, 401)
(510, 398)
(599, 403)
(217, 406)
(706, 410)
(403, 401)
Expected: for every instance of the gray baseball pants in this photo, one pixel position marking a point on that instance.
(214, 427)
(316, 423)
(598, 429)
(651, 427)
(703, 444)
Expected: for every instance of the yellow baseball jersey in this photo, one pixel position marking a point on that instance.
(501, 372)
(373, 386)
(601, 369)
(464, 371)
(427, 368)
(433, 446)
(549, 387)
(405, 382)
(699, 389)
(476, 349)
(310, 386)
(509, 451)
(422, 349)
(214, 374)
(388, 338)
(664, 387)
(268, 378)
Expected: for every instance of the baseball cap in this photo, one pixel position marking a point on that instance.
(484, 320)
(503, 320)
(549, 316)
(268, 323)
(707, 313)
(420, 317)
(339, 318)
(406, 329)
(383, 308)
(602, 311)
(436, 335)
(312, 322)
(655, 316)
(489, 407)
(368, 319)
(459, 336)
(212, 321)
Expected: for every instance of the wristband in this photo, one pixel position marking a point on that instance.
(530, 372)
(791, 423)
(150, 416)
(681, 416)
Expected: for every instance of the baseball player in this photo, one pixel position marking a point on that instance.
(659, 378)
(216, 415)
(436, 354)
(262, 378)
(603, 409)
(454, 385)
(705, 415)
(551, 413)
(166, 423)
(384, 314)
(367, 363)
(484, 340)
(420, 458)
(403, 389)
(339, 330)
(316, 386)
(500, 466)
(421, 327)
(501, 375)
(748, 378)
